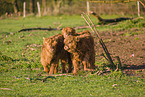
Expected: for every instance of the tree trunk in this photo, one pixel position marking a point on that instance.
(15, 6)
(31, 6)
(44, 7)
(56, 6)
(33, 1)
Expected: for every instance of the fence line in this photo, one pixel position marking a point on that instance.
(113, 1)
(117, 1)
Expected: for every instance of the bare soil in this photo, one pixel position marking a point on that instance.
(129, 48)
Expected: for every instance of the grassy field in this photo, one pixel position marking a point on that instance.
(20, 62)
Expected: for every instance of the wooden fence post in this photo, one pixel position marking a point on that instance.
(24, 8)
(88, 7)
(138, 8)
(38, 5)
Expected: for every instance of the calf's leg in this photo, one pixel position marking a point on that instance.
(46, 68)
(44, 65)
(53, 68)
(63, 64)
(75, 64)
(69, 65)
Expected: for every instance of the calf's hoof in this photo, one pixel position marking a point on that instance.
(46, 70)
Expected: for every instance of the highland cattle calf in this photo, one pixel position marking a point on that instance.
(51, 51)
(81, 46)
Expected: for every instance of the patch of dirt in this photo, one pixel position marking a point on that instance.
(130, 49)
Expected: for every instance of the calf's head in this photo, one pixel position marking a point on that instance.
(50, 44)
(70, 44)
(68, 31)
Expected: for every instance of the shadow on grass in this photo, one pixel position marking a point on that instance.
(7, 58)
(44, 79)
(134, 70)
(134, 67)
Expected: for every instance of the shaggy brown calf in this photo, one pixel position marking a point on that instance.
(51, 51)
(81, 46)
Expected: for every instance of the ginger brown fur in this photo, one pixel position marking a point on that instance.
(51, 51)
(68, 31)
(81, 46)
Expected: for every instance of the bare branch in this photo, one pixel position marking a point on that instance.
(100, 39)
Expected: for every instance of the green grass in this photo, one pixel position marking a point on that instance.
(19, 64)
(115, 84)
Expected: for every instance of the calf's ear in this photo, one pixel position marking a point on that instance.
(43, 38)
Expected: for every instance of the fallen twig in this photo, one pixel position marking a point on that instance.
(58, 75)
(45, 78)
(109, 20)
(99, 72)
(5, 89)
(40, 73)
(53, 75)
(51, 29)
(96, 72)
(59, 27)
(48, 29)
